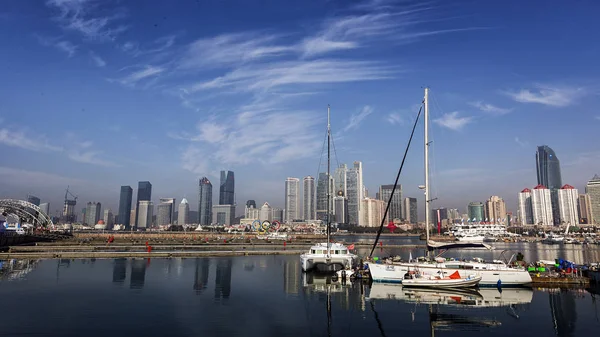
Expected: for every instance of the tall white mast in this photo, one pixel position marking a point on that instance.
(328, 177)
(426, 103)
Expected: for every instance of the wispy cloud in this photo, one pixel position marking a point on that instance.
(159, 45)
(489, 108)
(22, 140)
(58, 43)
(144, 73)
(521, 143)
(358, 118)
(78, 15)
(395, 118)
(452, 121)
(556, 96)
(598, 118)
(89, 157)
(98, 61)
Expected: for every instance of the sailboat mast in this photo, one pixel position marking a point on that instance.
(426, 103)
(328, 178)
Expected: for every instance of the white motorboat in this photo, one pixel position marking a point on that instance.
(328, 256)
(273, 236)
(492, 274)
(452, 281)
(470, 238)
(552, 238)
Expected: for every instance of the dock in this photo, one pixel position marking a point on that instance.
(546, 280)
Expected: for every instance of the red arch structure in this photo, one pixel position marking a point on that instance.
(26, 212)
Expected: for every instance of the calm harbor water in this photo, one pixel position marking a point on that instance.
(264, 296)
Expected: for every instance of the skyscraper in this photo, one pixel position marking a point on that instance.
(548, 175)
(45, 207)
(205, 201)
(584, 206)
(322, 190)
(372, 213)
(593, 190)
(145, 212)
(355, 192)
(92, 213)
(410, 210)
(183, 212)
(33, 199)
(266, 212)
(309, 196)
(476, 212)
(339, 178)
(567, 205)
(251, 203)
(495, 209)
(125, 206)
(548, 168)
(340, 204)
(292, 199)
(144, 194)
(395, 211)
(525, 208)
(541, 204)
(227, 188)
(108, 218)
(166, 212)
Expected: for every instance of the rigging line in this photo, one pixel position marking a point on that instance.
(379, 325)
(387, 208)
(337, 161)
(321, 156)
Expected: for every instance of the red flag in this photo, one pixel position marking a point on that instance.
(351, 247)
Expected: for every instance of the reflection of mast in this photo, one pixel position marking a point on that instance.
(379, 325)
(563, 310)
(328, 311)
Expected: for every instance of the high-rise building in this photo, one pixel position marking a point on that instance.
(495, 209)
(277, 215)
(223, 214)
(410, 210)
(125, 206)
(252, 213)
(339, 178)
(355, 192)
(322, 190)
(548, 175)
(309, 196)
(183, 213)
(145, 212)
(45, 207)
(266, 212)
(341, 206)
(109, 219)
(584, 206)
(593, 190)
(92, 213)
(525, 208)
(439, 214)
(395, 211)
(144, 193)
(362, 190)
(33, 199)
(541, 204)
(205, 201)
(227, 188)
(453, 214)
(251, 203)
(476, 211)
(567, 205)
(373, 210)
(166, 212)
(292, 199)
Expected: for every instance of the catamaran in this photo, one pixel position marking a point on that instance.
(492, 274)
(328, 256)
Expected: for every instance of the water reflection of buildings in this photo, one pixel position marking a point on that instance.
(564, 312)
(16, 269)
(201, 275)
(223, 278)
(342, 293)
(291, 276)
(138, 274)
(119, 270)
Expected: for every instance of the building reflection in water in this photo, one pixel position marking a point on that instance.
(223, 278)
(138, 274)
(201, 276)
(291, 276)
(564, 312)
(119, 270)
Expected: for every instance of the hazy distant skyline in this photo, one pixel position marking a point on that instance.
(99, 94)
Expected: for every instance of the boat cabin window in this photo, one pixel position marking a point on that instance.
(312, 251)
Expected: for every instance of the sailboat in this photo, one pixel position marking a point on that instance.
(492, 274)
(328, 256)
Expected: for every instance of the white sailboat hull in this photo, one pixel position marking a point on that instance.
(323, 263)
(508, 277)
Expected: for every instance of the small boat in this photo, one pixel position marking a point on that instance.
(452, 281)
(552, 238)
(470, 238)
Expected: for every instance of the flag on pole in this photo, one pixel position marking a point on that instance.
(351, 247)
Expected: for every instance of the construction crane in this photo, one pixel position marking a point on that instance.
(67, 193)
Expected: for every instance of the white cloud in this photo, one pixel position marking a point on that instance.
(521, 143)
(78, 15)
(489, 108)
(395, 118)
(452, 121)
(57, 43)
(24, 141)
(89, 157)
(598, 118)
(21, 177)
(97, 60)
(358, 117)
(136, 76)
(67, 47)
(549, 95)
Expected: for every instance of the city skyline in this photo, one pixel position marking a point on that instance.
(210, 102)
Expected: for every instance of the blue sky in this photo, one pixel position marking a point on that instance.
(99, 94)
